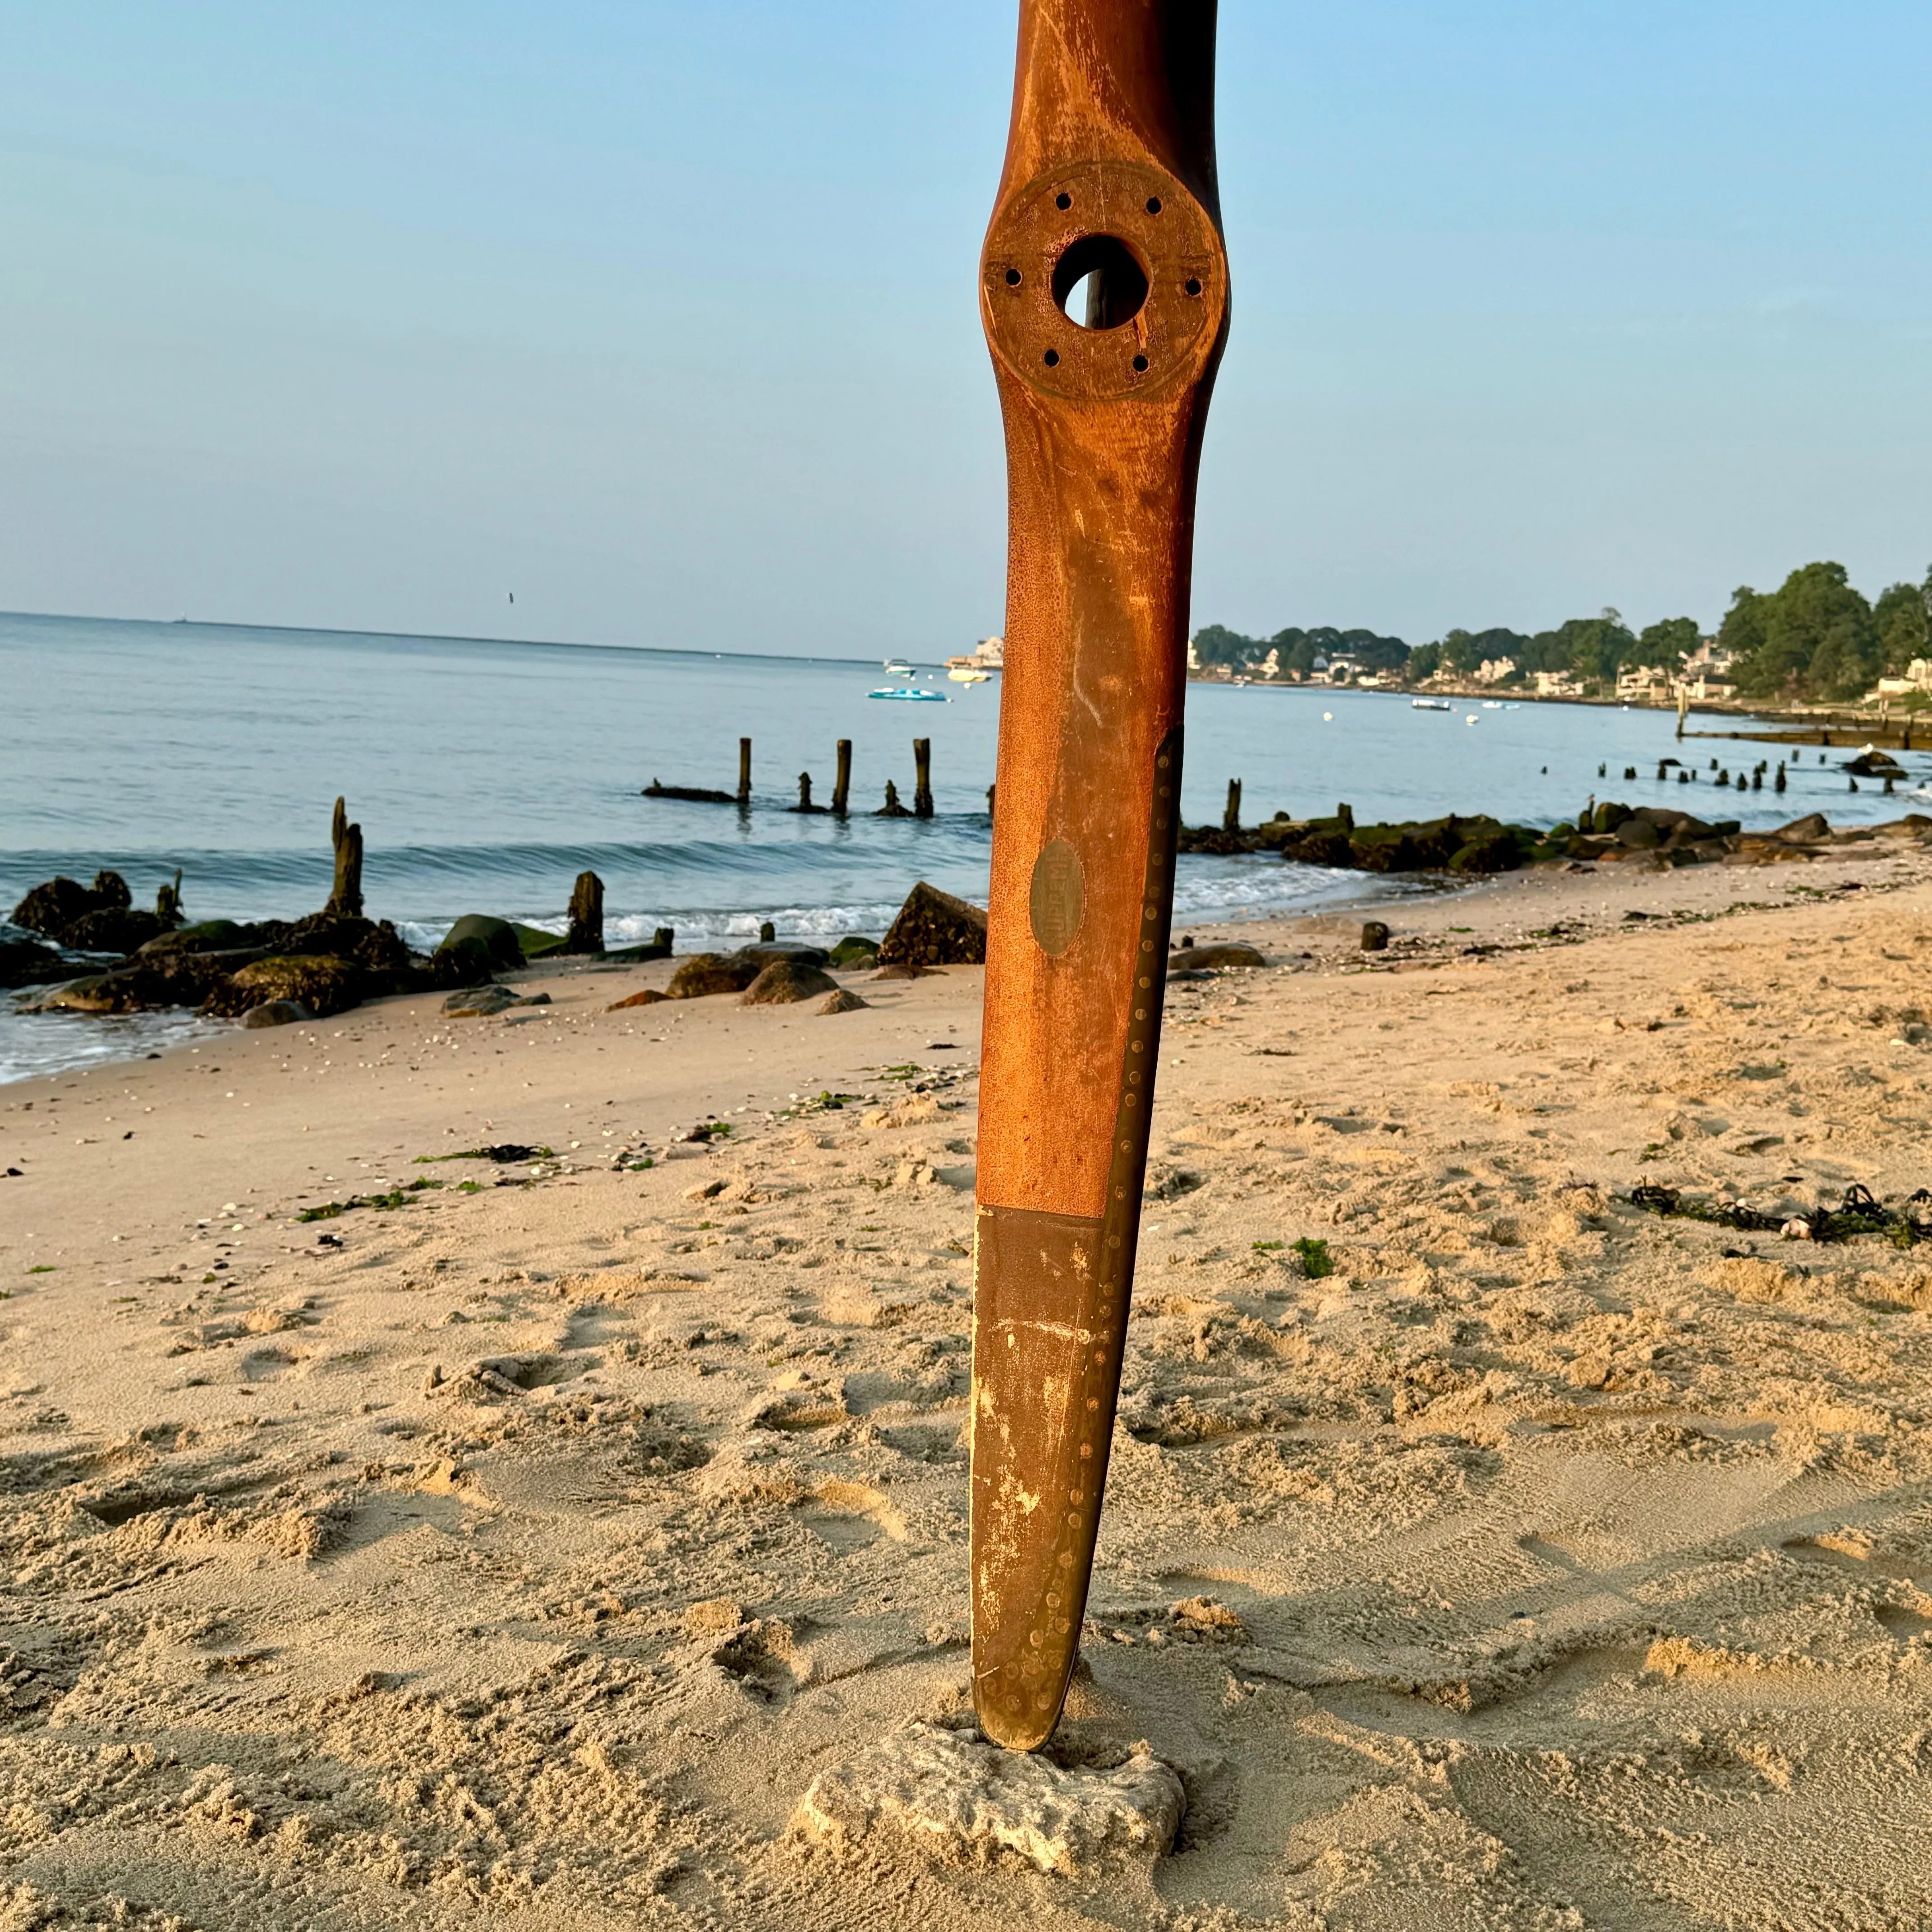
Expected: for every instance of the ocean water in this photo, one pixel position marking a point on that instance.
(487, 775)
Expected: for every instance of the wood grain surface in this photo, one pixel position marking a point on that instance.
(1109, 182)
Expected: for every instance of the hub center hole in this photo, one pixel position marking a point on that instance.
(1099, 282)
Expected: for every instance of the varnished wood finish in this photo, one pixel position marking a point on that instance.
(1109, 167)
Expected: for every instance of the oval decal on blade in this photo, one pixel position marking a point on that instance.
(1058, 897)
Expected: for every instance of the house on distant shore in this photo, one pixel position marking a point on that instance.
(1644, 684)
(1494, 670)
(1918, 678)
(1557, 684)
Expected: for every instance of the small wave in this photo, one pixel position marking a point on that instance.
(32, 1043)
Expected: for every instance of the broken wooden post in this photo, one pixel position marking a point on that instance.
(922, 790)
(841, 785)
(345, 901)
(1683, 704)
(767, 932)
(804, 803)
(990, 790)
(744, 771)
(587, 915)
(1230, 819)
(892, 808)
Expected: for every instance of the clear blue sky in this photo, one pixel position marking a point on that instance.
(663, 317)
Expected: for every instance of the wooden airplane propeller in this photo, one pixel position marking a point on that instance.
(1107, 203)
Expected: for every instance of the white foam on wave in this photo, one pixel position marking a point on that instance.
(1227, 890)
(35, 1044)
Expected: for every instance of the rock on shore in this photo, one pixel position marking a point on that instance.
(934, 928)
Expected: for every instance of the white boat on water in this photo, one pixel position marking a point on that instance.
(916, 697)
(967, 674)
(897, 667)
(1430, 705)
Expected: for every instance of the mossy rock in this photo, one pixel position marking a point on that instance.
(762, 952)
(498, 938)
(90, 994)
(1326, 848)
(534, 943)
(785, 981)
(1489, 852)
(26, 962)
(58, 905)
(124, 929)
(206, 935)
(1400, 853)
(704, 975)
(1609, 816)
(853, 950)
(320, 981)
(468, 962)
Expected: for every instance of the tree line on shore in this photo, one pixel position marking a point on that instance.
(1815, 638)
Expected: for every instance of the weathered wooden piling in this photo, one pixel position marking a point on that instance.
(1230, 819)
(841, 784)
(990, 790)
(587, 915)
(1777, 783)
(922, 790)
(892, 808)
(804, 803)
(744, 771)
(767, 932)
(345, 901)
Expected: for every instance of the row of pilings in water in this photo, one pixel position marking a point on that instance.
(841, 787)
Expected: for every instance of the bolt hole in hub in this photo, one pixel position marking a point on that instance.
(1099, 282)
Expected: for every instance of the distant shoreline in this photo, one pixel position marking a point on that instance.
(441, 637)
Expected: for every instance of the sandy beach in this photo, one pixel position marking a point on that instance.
(518, 1543)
